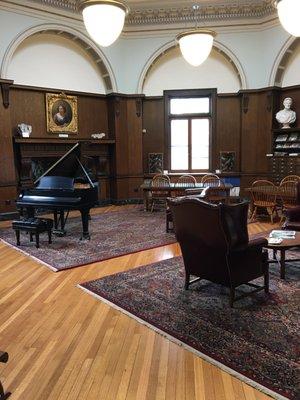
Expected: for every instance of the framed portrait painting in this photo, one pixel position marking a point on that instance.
(61, 113)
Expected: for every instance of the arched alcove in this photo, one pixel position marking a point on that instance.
(47, 56)
(168, 70)
(286, 67)
(291, 75)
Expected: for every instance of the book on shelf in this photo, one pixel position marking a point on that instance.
(293, 137)
(281, 138)
(279, 234)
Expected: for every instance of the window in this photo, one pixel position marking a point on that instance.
(189, 126)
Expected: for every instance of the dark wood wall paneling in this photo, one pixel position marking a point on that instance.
(244, 125)
(153, 123)
(29, 106)
(125, 119)
(228, 128)
(256, 132)
(8, 190)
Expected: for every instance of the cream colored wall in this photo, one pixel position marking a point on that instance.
(49, 60)
(173, 72)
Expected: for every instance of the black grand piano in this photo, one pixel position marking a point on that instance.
(65, 186)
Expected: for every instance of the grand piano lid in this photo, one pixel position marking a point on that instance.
(67, 166)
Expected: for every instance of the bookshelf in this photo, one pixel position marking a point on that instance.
(286, 141)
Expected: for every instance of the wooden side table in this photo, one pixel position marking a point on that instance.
(282, 247)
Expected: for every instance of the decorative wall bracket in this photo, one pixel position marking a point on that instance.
(139, 107)
(245, 103)
(5, 86)
(117, 106)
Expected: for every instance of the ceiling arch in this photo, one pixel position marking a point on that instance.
(220, 48)
(283, 60)
(84, 42)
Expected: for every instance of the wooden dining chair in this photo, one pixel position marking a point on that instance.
(264, 196)
(288, 196)
(183, 182)
(158, 194)
(289, 178)
(211, 180)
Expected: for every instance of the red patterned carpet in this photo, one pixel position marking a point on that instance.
(257, 340)
(113, 234)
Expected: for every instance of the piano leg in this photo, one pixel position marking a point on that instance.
(62, 219)
(55, 219)
(85, 223)
(59, 221)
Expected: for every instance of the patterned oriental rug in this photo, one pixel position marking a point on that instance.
(256, 341)
(113, 234)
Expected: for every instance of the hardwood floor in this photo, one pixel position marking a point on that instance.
(64, 344)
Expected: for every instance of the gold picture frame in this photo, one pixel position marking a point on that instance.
(61, 113)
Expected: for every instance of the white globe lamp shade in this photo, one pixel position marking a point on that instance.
(196, 45)
(104, 20)
(289, 15)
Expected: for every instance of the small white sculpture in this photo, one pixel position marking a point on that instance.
(25, 130)
(98, 135)
(286, 116)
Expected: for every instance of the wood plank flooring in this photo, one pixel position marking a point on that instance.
(64, 344)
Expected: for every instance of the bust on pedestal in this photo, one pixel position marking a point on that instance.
(286, 116)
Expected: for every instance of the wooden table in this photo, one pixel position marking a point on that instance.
(277, 191)
(173, 188)
(282, 247)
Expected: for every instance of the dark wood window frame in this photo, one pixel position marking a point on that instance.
(189, 93)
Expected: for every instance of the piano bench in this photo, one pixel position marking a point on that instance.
(34, 226)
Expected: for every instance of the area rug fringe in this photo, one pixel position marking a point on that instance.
(212, 361)
(29, 255)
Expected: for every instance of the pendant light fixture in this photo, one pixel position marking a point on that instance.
(195, 45)
(289, 13)
(104, 20)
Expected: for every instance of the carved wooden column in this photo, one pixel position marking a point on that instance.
(8, 185)
(125, 113)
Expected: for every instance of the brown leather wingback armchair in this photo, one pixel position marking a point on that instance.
(215, 245)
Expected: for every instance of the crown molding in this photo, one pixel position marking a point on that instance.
(218, 12)
(162, 13)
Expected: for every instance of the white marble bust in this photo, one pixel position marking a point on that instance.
(286, 116)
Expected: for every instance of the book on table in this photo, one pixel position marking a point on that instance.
(274, 240)
(282, 234)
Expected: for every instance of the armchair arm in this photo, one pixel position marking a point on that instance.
(252, 245)
(200, 193)
(293, 214)
(259, 242)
